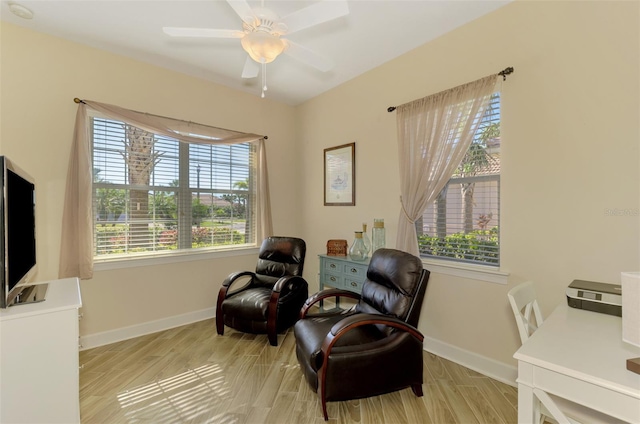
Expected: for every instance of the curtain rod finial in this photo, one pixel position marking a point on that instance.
(77, 100)
(391, 109)
(505, 72)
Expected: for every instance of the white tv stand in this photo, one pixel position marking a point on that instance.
(39, 358)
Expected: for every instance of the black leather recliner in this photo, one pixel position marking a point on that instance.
(373, 348)
(272, 296)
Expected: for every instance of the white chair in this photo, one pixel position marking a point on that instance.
(524, 303)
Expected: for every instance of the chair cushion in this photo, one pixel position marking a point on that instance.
(280, 256)
(250, 304)
(392, 281)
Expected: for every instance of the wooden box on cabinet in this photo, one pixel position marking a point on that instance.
(337, 248)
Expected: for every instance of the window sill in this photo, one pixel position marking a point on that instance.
(474, 272)
(105, 264)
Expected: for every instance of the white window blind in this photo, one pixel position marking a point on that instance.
(463, 223)
(153, 193)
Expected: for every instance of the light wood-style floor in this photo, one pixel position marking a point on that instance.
(190, 374)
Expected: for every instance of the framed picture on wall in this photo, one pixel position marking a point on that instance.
(340, 175)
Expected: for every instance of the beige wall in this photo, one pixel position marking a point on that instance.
(570, 151)
(40, 77)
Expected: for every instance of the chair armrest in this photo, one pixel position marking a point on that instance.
(324, 294)
(232, 278)
(357, 320)
(284, 282)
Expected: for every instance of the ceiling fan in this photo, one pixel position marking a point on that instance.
(261, 34)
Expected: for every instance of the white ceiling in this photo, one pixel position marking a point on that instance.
(374, 32)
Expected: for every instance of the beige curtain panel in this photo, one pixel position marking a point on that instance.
(76, 250)
(434, 134)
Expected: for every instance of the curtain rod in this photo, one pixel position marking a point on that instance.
(504, 73)
(77, 100)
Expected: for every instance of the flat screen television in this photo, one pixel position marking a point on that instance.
(17, 233)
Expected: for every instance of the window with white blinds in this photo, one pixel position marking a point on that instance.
(463, 223)
(154, 194)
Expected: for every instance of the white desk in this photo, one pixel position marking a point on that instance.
(579, 355)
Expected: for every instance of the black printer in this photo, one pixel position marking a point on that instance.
(598, 297)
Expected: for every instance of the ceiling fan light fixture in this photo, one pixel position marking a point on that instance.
(262, 46)
(20, 11)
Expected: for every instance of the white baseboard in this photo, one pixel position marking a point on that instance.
(490, 367)
(112, 336)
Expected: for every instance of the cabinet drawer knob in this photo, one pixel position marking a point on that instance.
(354, 270)
(354, 284)
(332, 265)
(332, 278)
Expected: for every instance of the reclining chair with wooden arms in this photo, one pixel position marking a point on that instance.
(271, 299)
(373, 348)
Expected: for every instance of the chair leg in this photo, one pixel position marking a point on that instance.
(417, 389)
(222, 294)
(272, 334)
(324, 409)
(220, 323)
(553, 409)
(272, 318)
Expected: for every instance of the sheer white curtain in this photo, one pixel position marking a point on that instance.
(433, 135)
(76, 248)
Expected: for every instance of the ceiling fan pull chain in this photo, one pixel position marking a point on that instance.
(264, 78)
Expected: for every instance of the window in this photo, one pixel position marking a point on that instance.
(463, 223)
(154, 194)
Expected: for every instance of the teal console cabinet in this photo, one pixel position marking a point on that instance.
(341, 272)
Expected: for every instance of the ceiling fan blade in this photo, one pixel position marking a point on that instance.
(243, 10)
(251, 68)
(307, 56)
(202, 32)
(315, 14)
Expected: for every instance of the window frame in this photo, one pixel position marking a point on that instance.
(489, 274)
(121, 262)
(157, 257)
(463, 267)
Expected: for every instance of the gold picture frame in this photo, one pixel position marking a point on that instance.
(340, 175)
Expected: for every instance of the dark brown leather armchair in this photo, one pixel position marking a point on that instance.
(271, 299)
(373, 348)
